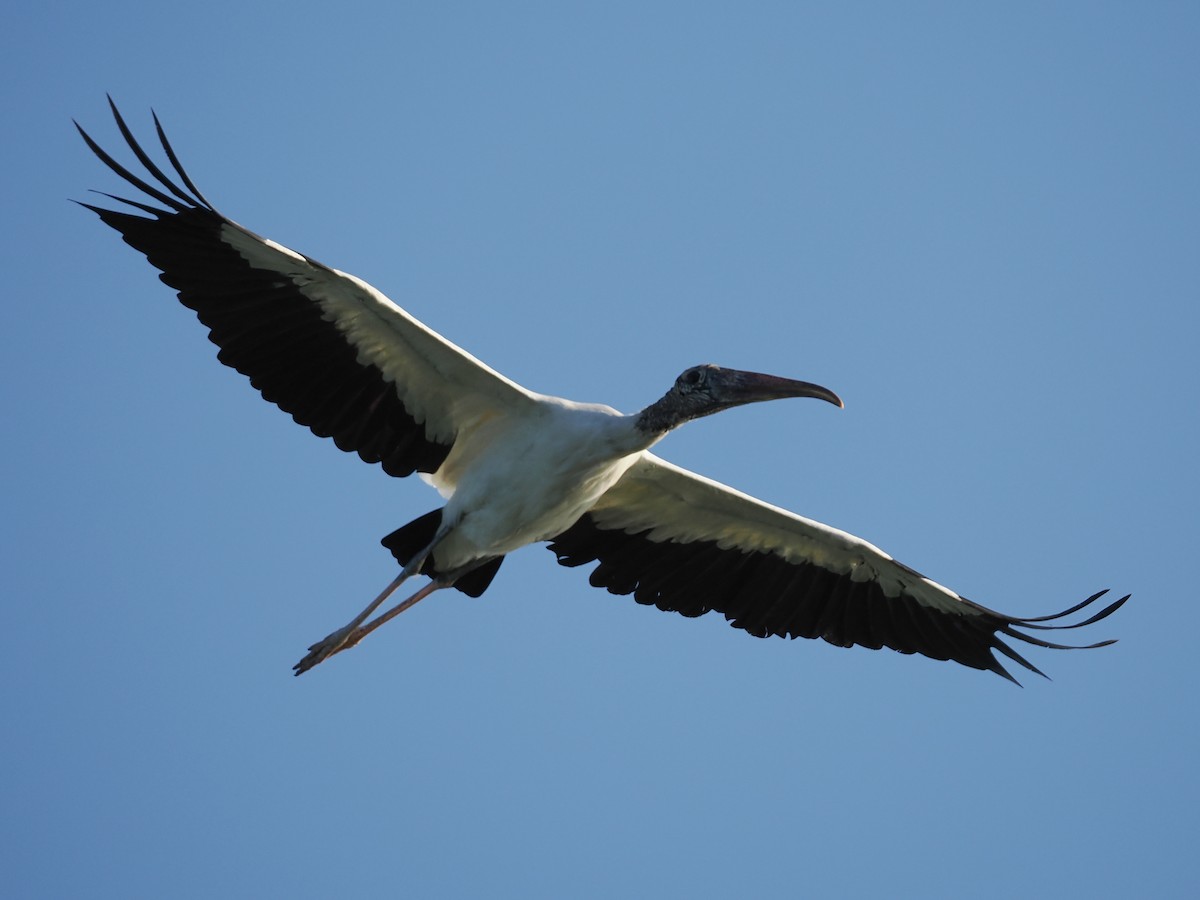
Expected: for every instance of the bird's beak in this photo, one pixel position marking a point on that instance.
(737, 387)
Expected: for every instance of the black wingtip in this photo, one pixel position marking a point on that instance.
(1037, 622)
(1009, 629)
(171, 194)
(1018, 659)
(175, 163)
(1066, 612)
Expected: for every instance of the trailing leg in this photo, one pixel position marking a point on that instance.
(338, 640)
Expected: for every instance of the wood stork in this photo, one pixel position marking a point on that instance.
(519, 467)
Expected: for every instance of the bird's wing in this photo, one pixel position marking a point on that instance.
(687, 544)
(325, 346)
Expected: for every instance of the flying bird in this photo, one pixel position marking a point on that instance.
(517, 467)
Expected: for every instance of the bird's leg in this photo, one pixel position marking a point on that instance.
(363, 630)
(340, 639)
(335, 641)
(346, 637)
(446, 579)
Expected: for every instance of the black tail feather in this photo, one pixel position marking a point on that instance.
(409, 540)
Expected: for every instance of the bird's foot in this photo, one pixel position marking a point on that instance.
(325, 648)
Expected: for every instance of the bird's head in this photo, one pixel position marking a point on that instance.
(707, 389)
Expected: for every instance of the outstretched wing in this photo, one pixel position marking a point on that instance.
(687, 544)
(323, 345)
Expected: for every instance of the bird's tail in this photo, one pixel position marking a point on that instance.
(409, 540)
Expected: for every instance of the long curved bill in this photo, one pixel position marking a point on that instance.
(739, 387)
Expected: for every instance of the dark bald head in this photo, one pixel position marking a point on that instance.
(707, 389)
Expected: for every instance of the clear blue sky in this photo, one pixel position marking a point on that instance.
(980, 226)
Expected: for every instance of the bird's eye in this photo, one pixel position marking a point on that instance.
(692, 377)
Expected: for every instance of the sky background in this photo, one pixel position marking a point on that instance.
(980, 225)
